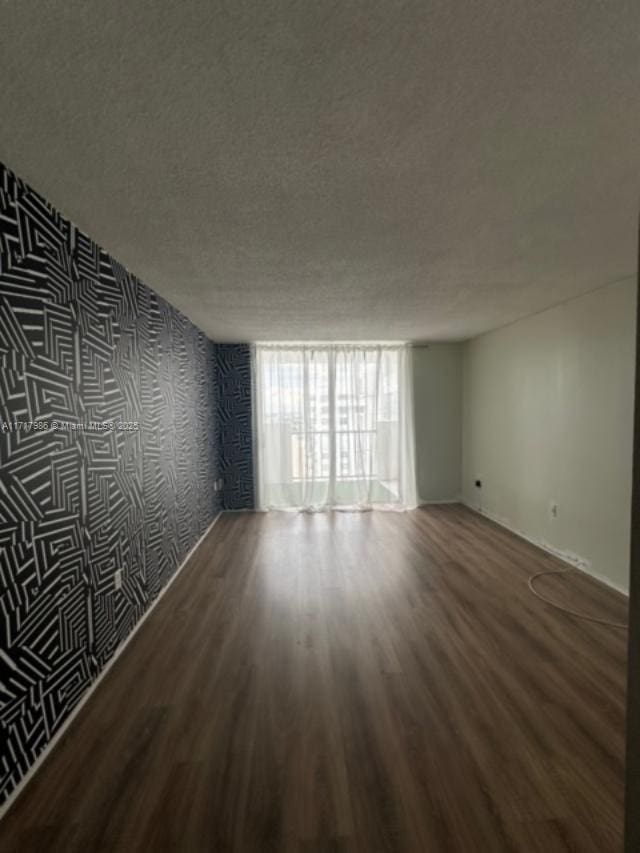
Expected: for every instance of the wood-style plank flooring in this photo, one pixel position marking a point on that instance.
(365, 682)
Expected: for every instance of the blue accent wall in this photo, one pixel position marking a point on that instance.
(235, 428)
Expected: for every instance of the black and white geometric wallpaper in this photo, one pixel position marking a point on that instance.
(108, 460)
(235, 430)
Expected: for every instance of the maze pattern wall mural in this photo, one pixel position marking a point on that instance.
(107, 462)
(235, 432)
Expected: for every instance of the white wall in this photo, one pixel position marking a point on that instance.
(437, 392)
(548, 418)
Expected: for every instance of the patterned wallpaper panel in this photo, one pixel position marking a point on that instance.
(235, 425)
(107, 462)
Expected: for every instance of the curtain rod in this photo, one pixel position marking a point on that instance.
(320, 344)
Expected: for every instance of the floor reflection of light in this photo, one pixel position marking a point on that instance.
(304, 553)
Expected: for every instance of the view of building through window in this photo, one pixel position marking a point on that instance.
(329, 424)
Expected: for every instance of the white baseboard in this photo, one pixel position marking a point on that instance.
(435, 503)
(46, 752)
(574, 560)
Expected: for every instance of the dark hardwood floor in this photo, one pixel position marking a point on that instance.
(362, 682)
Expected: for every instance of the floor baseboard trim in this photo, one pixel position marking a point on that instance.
(46, 752)
(573, 560)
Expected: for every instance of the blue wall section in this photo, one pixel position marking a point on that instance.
(235, 425)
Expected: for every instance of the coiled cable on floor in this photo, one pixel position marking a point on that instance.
(568, 610)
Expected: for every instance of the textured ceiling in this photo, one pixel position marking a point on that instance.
(348, 169)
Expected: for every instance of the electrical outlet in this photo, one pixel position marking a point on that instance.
(117, 579)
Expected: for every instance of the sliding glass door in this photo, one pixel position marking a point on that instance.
(334, 426)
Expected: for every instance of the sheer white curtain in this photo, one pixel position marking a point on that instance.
(334, 426)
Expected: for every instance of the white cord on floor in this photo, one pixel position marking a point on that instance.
(567, 609)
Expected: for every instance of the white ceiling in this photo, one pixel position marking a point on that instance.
(347, 169)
